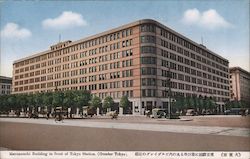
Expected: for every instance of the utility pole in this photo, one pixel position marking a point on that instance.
(169, 92)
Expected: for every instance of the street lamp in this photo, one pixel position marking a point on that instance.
(169, 92)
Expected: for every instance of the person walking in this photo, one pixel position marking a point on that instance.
(48, 113)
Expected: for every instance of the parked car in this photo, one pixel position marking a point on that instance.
(235, 111)
(227, 112)
(190, 112)
(88, 111)
(158, 113)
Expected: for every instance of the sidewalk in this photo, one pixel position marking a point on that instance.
(210, 130)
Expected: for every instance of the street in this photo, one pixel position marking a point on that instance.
(100, 134)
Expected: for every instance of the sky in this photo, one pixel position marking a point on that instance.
(29, 27)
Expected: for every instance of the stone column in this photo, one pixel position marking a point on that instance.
(77, 112)
(108, 110)
(120, 111)
(97, 111)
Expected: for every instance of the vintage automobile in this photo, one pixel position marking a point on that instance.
(59, 113)
(112, 114)
(88, 111)
(191, 112)
(158, 113)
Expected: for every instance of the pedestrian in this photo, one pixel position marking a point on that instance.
(246, 112)
(47, 115)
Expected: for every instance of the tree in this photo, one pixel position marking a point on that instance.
(179, 103)
(200, 103)
(124, 102)
(108, 102)
(195, 100)
(31, 101)
(190, 102)
(96, 102)
(22, 101)
(68, 99)
(124, 105)
(4, 103)
(48, 99)
(57, 99)
(12, 101)
(82, 98)
(38, 100)
(211, 104)
(205, 102)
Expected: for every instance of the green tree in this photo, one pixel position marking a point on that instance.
(57, 99)
(82, 98)
(124, 102)
(31, 100)
(4, 103)
(194, 98)
(68, 101)
(108, 102)
(38, 100)
(205, 102)
(96, 102)
(211, 104)
(200, 104)
(22, 101)
(179, 103)
(47, 100)
(12, 102)
(190, 102)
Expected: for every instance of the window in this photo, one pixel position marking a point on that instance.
(147, 28)
(148, 39)
(148, 81)
(148, 71)
(148, 60)
(148, 49)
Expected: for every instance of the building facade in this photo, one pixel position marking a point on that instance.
(5, 85)
(131, 60)
(239, 84)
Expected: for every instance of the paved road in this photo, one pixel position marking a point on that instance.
(228, 131)
(82, 135)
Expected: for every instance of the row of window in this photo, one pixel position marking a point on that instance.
(116, 94)
(6, 86)
(100, 86)
(125, 63)
(113, 75)
(102, 58)
(175, 57)
(185, 43)
(194, 72)
(84, 45)
(178, 40)
(165, 93)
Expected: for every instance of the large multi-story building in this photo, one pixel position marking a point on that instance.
(239, 84)
(5, 85)
(131, 60)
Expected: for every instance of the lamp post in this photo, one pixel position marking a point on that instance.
(169, 92)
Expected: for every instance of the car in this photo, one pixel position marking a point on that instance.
(190, 112)
(88, 111)
(158, 113)
(227, 112)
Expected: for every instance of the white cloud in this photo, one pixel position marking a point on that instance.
(67, 19)
(209, 19)
(12, 30)
(191, 16)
